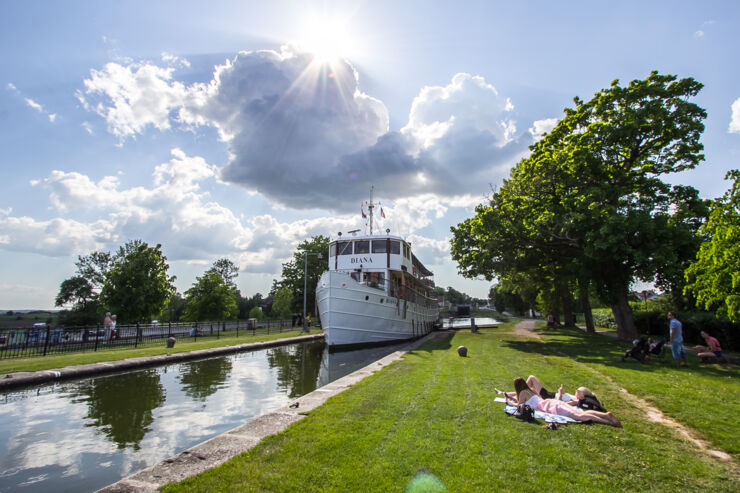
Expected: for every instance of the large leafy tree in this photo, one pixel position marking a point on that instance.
(137, 285)
(293, 271)
(715, 276)
(589, 199)
(210, 298)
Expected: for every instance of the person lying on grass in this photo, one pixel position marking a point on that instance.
(525, 395)
(583, 398)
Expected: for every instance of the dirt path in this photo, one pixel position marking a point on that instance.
(526, 328)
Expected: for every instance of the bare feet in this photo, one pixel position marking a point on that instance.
(615, 421)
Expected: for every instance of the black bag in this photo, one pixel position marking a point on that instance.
(591, 403)
(524, 412)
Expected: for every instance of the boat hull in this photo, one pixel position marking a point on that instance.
(353, 313)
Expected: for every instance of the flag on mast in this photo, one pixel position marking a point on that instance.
(382, 214)
(362, 210)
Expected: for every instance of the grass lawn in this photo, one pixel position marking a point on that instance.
(111, 353)
(434, 411)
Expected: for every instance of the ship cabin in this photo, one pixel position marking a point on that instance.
(383, 262)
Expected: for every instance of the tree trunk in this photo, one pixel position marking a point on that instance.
(569, 318)
(626, 330)
(586, 306)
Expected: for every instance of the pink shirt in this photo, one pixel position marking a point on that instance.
(713, 344)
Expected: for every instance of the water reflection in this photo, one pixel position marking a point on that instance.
(201, 379)
(121, 407)
(83, 435)
(297, 367)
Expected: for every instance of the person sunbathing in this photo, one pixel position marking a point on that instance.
(524, 394)
(583, 398)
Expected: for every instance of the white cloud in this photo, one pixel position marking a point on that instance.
(305, 136)
(735, 117)
(699, 34)
(136, 96)
(541, 127)
(56, 237)
(31, 103)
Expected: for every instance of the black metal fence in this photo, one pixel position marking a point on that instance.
(44, 339)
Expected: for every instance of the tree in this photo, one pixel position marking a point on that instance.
(256, 313)
(282, 301)
(227, 269)
(137, 285)
(293, 275)
(589, 200)
(715, 276)
(210, 298)
(76, 291)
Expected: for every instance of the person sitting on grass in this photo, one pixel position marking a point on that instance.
(711, 351)
(525, 395)
(639, 350)
(583, 398)
(655, 347)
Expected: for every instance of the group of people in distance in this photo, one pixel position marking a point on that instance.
(583, 406)
(643, 347)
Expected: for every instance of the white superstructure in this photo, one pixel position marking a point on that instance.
(375, 291)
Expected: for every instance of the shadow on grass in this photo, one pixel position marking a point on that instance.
(599, 349)
(439, 343)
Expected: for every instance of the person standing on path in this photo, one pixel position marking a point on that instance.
(676, 340)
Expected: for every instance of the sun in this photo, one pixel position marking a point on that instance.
(326, 38)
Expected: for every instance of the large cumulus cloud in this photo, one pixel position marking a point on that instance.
(304, 135)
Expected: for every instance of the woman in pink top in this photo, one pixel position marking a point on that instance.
(712, 348)
(525, 395)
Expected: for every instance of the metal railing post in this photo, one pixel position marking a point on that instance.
(46, 345)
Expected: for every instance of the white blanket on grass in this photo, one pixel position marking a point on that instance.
(549, 418)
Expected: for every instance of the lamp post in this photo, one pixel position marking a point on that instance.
(305, 279)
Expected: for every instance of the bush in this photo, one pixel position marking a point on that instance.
(604, 318)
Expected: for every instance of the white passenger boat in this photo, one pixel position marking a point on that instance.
(375, 291)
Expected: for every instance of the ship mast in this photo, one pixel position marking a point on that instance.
(370, 209)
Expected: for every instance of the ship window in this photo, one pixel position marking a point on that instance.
(333, 250)
(379, 246)
(395, 247)
(381, 300)
(362, 246)
(367, 298)
(344, 248)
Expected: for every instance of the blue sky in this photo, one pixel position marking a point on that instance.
(233, 130)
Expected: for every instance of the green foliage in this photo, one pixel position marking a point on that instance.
(256, 313)
(715, 276)
(210, 298)
(246, 304)
(588, 203)
(137, 286)
(282, 301)
(293, 271)
(76, 291)
(227, 270)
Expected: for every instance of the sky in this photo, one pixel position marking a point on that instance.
(238, 129)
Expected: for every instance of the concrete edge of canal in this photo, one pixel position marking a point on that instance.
(221, 448)
(27, 379)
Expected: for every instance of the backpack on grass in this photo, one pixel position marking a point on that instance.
(524, 412)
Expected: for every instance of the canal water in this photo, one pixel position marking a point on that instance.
(82, 435)
(459, 323)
